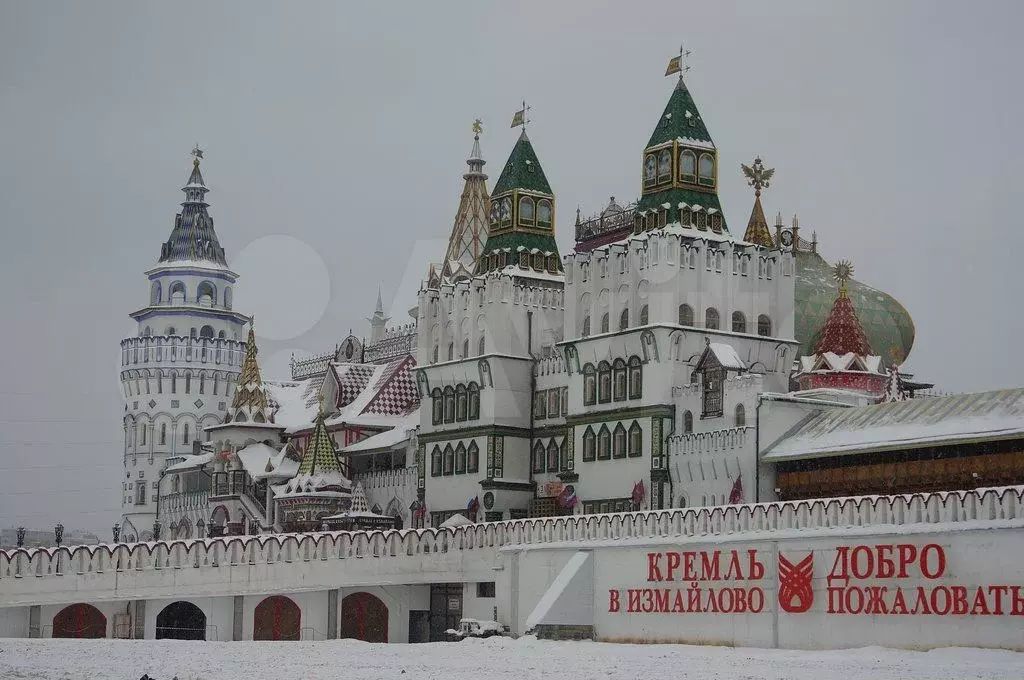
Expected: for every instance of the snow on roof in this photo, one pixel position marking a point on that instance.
(255, 457)
(295, 399)
(456, 520)
(726, 355)
(698, 143)
(516, 270)
(401, 432)
(191, 462)
(904, 424)
(840, 362)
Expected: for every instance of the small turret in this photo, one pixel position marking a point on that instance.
(469, 232)
(378, 322)
(250, 403)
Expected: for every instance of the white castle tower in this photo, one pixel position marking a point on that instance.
(179, 371)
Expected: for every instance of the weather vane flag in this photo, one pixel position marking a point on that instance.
(520, 116)
(678, 63)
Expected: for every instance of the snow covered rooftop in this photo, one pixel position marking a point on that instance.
(191, 462)
(399, 433)
(727, 356)
(908, 424)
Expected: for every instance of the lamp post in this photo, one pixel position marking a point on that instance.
(116, 530)
(21, 537)
(58, 533)
(156, 531)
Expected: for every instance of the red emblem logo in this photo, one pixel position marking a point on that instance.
(795, 592)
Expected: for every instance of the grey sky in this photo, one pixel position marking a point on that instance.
(894, 128)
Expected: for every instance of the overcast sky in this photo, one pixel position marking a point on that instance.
(895, 129)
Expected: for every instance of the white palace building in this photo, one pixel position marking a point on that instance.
(675, 418)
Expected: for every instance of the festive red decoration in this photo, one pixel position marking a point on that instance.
(842, 332)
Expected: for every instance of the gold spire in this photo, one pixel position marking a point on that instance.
(250, 396)
(842, 272)
(757, 227)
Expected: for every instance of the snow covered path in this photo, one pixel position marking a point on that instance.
(494, 659)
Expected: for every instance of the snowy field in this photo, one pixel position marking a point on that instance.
(493, 659)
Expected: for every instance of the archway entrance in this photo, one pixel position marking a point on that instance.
(277, 618)
(79, 621)
(181, 621)
(364, 617)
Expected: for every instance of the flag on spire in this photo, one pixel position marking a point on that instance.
(676, 65)
(519, 118)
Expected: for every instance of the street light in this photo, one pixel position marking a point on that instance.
(21, 537)
(156, 531)
(58, 533)
(117, 531)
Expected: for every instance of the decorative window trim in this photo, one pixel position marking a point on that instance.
(589, 445)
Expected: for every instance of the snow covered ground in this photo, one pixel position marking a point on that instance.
(493, 659)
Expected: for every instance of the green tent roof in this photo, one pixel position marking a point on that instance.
(675, 122)
(514, 239)
(522, 171)
(887, 325)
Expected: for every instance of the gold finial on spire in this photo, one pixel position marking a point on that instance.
(842, 272)
(757, 175)
(197, 155)
(478, 127)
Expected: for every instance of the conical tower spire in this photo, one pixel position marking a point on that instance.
(250, 403)
(469, 232)
(842, 332)
(193, 238)
(758, 177)
(319, 458)
(521, 229)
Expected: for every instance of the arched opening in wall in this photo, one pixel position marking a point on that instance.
(739, 322)
(741, 416)
(181, 621)
(154, 293)
(206, 332)
(176, 293)
(80, 621)
(277, 618)
(206, 294)
(364, 617)
(218, 521)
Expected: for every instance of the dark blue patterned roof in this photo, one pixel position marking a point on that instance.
(193, 237)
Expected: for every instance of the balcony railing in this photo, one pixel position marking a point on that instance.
(173, 349)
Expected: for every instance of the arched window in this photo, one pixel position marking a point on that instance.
(604, 323)
(650, 170)
(644, 320)
(449, 404)
(434, 360)
(664, 166)
(538, 457)
(174, 383)
(604, 382)
(563, 454)
(526, 216)
(185, 435)
(619, 380)
(636, 378)
(435, 462)
(688, 166)
(481, 345)
(552, 456)
(147, 332)
(451, 351)
(711, 318)
(685, 217)
(228, 297)
(206, 294)
(589, 385)
(604, 443)
(685, 315)
(460, 459)
(739, 322)
(764, 325)
(171, 330)
(707, 169)
(448, 461)
(163, 433)
(202, 383)
(544, 212)
(506, 210)
(741, 416)
(461, 399)
(619, 442)
(589, 445)
(437, 406)
(585, 331)
(176, 293)
(142, 434)
(473, 458)
(188, 382)
(624, 319)
(636, 438)
(465, 348)
(206, 332)
(687, 422)
(474, 401)
(154, 293)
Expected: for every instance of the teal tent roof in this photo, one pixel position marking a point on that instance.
(675, 122)
(522, 170)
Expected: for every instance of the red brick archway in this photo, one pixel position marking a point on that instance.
(364, 617)
(277, 618)
(79, 621)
